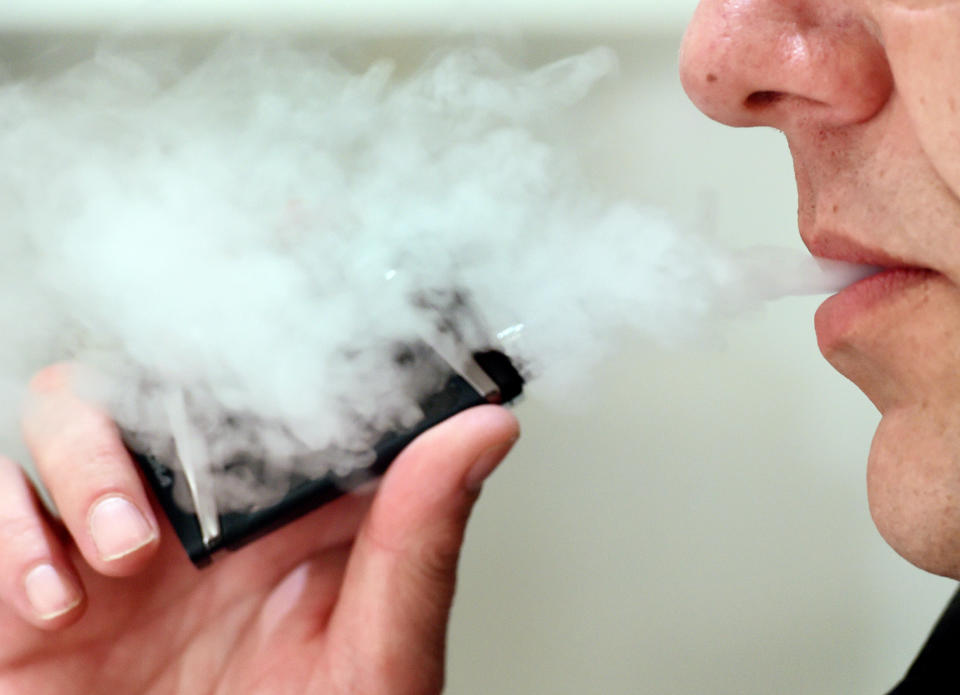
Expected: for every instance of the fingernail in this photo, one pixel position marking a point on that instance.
(118, 528)
(484, 465)
(50, 594)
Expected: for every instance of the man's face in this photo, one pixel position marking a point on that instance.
(868, 95)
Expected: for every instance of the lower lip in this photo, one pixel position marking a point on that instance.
(836, 315)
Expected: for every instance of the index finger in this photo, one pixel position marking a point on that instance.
(91, 477)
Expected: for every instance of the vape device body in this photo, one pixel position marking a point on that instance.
(468, 380)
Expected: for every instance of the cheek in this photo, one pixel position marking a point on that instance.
(914, 470)
(913, 484)
(922, 42)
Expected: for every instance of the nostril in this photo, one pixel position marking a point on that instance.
(759, 100)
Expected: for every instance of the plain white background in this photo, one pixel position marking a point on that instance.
(699, 523)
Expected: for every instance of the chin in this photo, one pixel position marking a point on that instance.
(913, 485)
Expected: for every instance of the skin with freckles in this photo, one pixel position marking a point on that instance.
(867, 95)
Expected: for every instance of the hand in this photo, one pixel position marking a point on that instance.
(353, 598)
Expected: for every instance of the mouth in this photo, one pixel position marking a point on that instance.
(865, 299)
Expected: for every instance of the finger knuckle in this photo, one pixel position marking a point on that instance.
(20, 532)
(437, 561)
(87, 446)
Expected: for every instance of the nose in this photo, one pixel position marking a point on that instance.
(784, 63)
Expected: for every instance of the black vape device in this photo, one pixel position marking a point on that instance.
(466, 379)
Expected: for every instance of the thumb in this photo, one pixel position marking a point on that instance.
(395, 601)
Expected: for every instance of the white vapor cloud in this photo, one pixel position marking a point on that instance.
(254, 235)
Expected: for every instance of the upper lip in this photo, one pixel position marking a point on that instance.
(840, 248)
